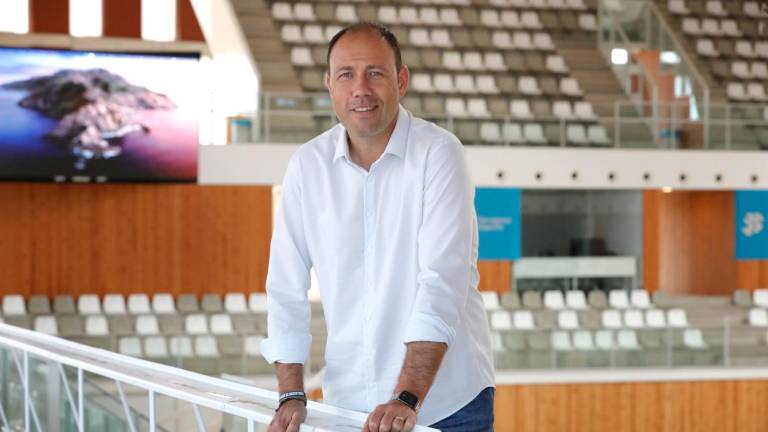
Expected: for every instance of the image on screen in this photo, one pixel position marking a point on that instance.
(103, 116)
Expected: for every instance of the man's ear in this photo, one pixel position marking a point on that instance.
(327, 80)
(403, 79)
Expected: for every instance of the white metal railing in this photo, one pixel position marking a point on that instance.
(255, 405)
(633, 124)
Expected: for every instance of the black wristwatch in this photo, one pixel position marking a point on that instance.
(407, 398)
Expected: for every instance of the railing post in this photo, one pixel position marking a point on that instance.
(80, 400)
(27, 401)
(152, 420)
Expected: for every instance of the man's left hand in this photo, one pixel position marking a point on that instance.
(393, 416)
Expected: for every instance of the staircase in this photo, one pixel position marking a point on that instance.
(270, 55)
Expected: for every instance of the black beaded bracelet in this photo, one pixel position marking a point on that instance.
(295, 395)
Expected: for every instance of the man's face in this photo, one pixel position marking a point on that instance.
(364, 84)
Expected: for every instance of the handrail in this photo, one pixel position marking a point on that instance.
(682, 52)
(256, 405)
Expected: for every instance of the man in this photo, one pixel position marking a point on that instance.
(381, 206)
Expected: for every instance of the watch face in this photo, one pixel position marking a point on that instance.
(408, 398)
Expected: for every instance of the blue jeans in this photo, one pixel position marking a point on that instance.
(476, 416)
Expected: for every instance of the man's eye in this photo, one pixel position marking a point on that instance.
(375, 73)
(345, 75)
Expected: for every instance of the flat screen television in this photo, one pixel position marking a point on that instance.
(96, 116)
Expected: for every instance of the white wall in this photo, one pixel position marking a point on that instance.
(265, 164)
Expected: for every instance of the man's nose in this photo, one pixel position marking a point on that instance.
(361, 86)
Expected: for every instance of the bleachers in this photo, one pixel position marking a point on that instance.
(627, 329)
(531, 329)
(469, 61)
(726, 37)
(208, 334)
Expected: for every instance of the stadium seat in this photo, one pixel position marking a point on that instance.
(155, 347)
(523, 320)
(147, 325)
(611, 319)
(677, 318)
(639, 298)
(251, 345)
(760, 297)
(114, 304)
(627, 340)
(633, 318)
(534, 133)
(196, 324)
(501, 320)
(597, 134)
(694, 339)
(64, 304)
(510, 300)
(575, 299)
(553, 299)
(130, 346)
(513, 133)
(655, 318)
(211, 303)
(604, 340)
(568, 319)
(96, 325)
(561, 341)
(291, 33)
(221, 324)
(187, 303)
(205, 346)
(490, 300)
(235, 303)
(39, 305)
(583, 340)
(180, 346)
(89, 304)
(618, 299)
(46, 324)
(490, 132)
(758, 317)
(163, 304)
(138, 304)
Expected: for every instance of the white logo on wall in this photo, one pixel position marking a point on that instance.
(753, 224)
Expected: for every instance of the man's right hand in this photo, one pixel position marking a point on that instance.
(290, 416)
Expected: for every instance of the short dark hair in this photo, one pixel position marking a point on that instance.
(373, 27)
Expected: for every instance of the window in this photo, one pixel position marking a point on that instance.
(86, 18)
(14, 17)
(158, 20)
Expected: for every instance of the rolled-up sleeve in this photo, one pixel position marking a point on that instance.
(288, 311)
(444, 247)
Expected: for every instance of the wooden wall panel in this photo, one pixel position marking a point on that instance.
(188, 27)
(688, 242)
(702, 406)
(495, 276)
(752, 274)
(133, 238)
(49, 16)
(651, 240)
(122, 18)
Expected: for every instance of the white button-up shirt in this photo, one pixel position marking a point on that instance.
(395, 253)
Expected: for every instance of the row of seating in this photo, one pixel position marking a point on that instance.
(101, 325)
(499, 16)
(534, 134)
(136, 304)
(711, 27)
(740, 48)
(744, 92)
(716, 8)
(572, 319)
(741, 69)
(602, 340)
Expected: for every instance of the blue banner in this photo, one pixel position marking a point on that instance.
(751, 225)
(498, 218)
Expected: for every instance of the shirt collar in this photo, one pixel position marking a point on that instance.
(397, 141)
